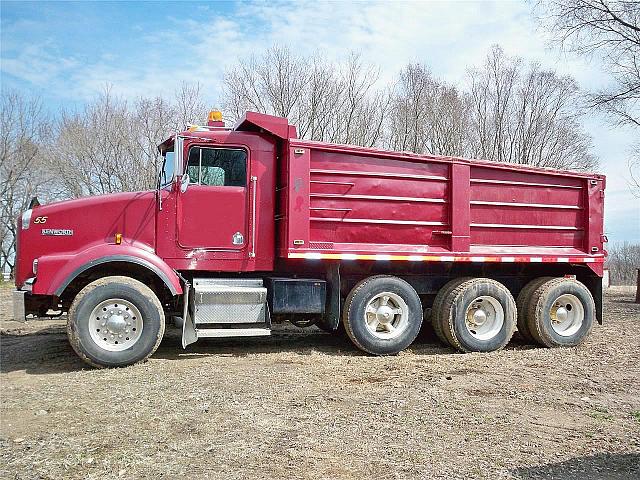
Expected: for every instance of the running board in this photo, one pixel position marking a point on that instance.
(232, 332)
(190, 334)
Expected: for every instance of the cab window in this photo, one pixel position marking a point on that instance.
(217, 167)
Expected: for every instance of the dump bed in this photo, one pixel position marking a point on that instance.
(346, 202)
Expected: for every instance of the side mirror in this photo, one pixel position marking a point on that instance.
(184, 182)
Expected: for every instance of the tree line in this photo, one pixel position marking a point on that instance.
(506, 110)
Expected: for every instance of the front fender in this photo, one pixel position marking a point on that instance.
(56, 272)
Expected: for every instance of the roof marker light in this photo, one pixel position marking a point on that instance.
(215, 116)
(215, 119)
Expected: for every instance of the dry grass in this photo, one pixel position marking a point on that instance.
(307, 405)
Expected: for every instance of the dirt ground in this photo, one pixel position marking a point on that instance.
(304, 404)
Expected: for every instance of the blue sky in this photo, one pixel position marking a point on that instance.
(67, 52)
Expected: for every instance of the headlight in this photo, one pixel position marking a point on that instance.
(26, 219)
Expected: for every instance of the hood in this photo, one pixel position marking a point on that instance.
(72, 226)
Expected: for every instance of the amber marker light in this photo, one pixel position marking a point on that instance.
(118, 238)
(215, 116)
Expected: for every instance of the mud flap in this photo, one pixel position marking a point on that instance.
(189, 334)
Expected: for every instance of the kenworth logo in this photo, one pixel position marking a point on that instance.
(57, 232)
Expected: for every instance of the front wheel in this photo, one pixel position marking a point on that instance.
(382, 315)
(115, 321)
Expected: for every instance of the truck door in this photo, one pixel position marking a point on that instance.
(212, 212)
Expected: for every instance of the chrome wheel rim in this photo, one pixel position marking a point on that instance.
(484, 318)
(386, 315)
(115, 325)
(567, 315)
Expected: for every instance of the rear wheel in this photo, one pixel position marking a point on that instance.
(478, 315)
(522, 304)
(115, 321)
(438, 302)
(561, 313)
(382, 315)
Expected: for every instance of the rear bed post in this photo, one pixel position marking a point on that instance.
(460, 211)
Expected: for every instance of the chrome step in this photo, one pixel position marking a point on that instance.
(232, 332)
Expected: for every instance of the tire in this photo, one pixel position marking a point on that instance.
(561, 313)
(522, 305)
(438, 302)
(133, 320)
(473, 301)
(394, 318)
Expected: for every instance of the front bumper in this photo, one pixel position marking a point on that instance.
(19, 310)
(19, 301)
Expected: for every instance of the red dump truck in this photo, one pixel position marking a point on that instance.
(250, 226)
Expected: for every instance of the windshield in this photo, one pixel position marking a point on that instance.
(168, 168)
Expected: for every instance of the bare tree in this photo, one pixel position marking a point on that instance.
(360, 107)
(426, 116)
(610, 29)
(154, 119)
(522, 114)
(634, 170)
(272, 83)
(22, 174)
(93, 149)
(510, 112)
(111, 145)
(336, 103)
(623, 263)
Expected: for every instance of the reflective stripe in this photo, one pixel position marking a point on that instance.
(441, 258)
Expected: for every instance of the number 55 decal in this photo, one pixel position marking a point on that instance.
(40, 220)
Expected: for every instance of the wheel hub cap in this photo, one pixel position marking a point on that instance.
(386, 315)
(479, 317)
(567, 315)
(115, 325)
(561, 314)
(484, 318)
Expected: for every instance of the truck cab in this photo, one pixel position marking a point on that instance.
(209, 217)
(249, 226)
